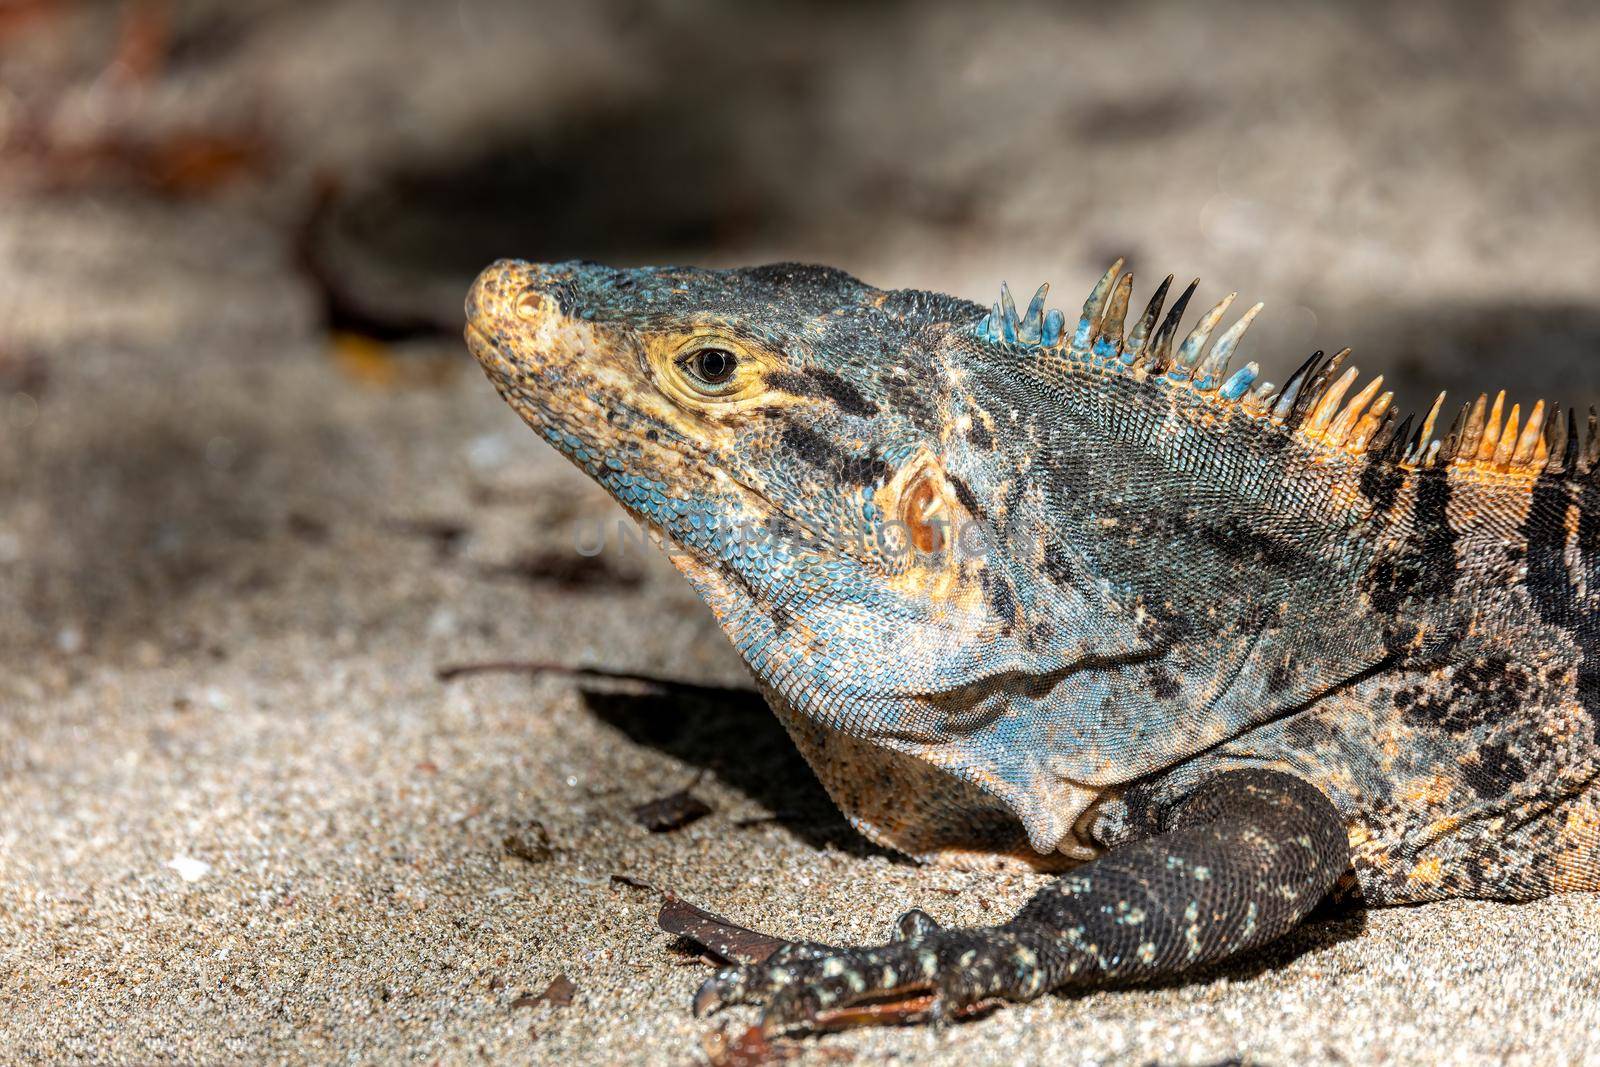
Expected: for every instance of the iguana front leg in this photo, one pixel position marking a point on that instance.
(1237, 863)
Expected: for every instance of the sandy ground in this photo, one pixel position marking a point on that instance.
(242, 818)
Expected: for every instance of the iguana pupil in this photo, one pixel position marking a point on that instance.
(714, 366)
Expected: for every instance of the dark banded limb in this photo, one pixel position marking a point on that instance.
(1237, 863)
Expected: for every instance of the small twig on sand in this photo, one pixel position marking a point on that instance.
(450, 672)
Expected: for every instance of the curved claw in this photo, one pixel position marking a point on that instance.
(709, 997)
(914, 925)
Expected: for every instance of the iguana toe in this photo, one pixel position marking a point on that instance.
(751, 983)
(927, 974)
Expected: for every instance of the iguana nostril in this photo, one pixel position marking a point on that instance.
(532, 304)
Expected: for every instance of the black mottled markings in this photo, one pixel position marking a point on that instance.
(1163, 686)
(819, 451)
(916, 396)
(1438, 541)
(1273, 442)
(1014, 495)
(1483, 690)
(865, 470)
(818, 383)
(1419, 573)
(1380, 482)
(841, 392)
(810, 446)
(1165, 628)
(1059, 566)
(1237, 540)
(1550, 585)
(967, 497)
(1281, 675)
(1040, 636)
(1306, 733)
(1495, 770)
(980, 437)
(1001, 597)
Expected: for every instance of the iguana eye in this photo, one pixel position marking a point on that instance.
(710, 367)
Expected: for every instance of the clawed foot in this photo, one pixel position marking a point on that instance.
(926, 974)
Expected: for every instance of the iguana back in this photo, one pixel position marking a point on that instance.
(1407, 622)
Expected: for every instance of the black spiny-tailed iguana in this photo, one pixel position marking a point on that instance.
(1022, 587)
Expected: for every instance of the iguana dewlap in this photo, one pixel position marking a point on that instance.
(1072, 591)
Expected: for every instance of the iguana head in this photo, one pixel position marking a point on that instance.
(988, 568)
(781, 431)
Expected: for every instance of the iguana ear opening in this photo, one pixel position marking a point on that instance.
(924, 511)
(930, 541)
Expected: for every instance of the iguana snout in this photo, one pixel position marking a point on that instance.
(590, 382)
(524, 326)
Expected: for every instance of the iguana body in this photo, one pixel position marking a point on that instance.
(1060, 593)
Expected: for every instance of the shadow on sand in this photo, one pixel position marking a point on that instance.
(731, 733)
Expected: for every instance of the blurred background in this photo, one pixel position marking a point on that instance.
(253, 490)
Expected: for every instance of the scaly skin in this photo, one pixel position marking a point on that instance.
(1022, 592)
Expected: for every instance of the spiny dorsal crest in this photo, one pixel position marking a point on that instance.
(1483, 439)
